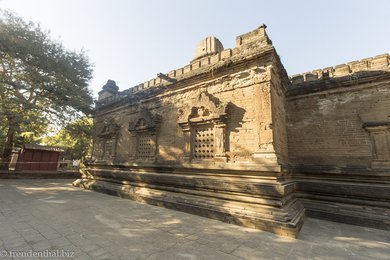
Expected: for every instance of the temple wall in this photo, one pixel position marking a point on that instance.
(230, 136)
(241, 91)
(248, 125)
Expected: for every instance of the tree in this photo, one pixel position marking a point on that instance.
(75, 138)
(40, 81)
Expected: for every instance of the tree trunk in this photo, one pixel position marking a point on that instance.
(8, 145)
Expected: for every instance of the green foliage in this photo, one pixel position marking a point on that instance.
(75, 138)
(40, 81)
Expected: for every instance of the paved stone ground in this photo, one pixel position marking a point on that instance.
(43, 215)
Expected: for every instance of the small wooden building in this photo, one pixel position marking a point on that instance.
(33, 157)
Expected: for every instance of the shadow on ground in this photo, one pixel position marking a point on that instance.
(51, 214)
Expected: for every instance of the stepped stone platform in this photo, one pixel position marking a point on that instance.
(250, 199)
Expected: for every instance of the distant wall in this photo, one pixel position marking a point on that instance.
(328, 114)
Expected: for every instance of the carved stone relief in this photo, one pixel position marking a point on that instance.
(108, 138)
(145, 128)
(380, 140)
(377, 123)
(203, 122)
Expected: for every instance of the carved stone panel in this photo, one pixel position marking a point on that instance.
(108, 138)
(376, 121)
(146, 145)
(380, 139)
(203, 142)
(203, 122)
(145, 128)
(108, 148)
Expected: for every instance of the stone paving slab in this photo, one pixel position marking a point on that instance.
(51, 215)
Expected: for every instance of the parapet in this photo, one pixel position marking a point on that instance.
(209, 54)
(379, 62)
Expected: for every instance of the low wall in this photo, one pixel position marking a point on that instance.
(39, 174)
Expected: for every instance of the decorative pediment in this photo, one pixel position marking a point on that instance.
(109, 129)
(203, 122)
(204, 108)
(145, 121)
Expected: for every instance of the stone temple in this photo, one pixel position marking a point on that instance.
(232, 137)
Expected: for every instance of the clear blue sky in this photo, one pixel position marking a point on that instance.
(131, 41)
